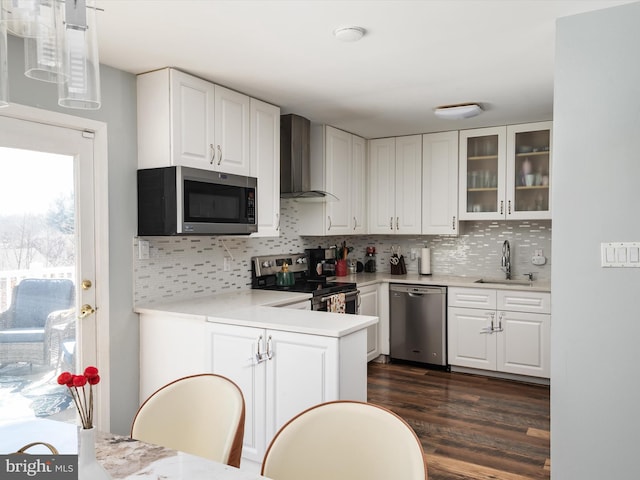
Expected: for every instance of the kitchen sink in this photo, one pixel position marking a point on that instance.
(503, 281)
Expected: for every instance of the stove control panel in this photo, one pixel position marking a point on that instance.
(272, 264)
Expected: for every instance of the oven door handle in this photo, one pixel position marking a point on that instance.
(346, 295)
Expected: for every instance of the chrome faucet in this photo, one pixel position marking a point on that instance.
(506, 259)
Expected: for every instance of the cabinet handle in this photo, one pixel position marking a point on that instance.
(355, 223)
(219, 155)
(501, 207)
(500, 321)
(269, 354)
(329, 219)
(390, 223)
(453, 223)
(278, 221)
(509, 207)
(213, 153)
(397, 223)
(259, 355)
(490, 328)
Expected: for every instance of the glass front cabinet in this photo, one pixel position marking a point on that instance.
(505, 172)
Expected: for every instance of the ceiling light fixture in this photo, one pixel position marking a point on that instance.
(456, 112)
(61, 47)
(349, 34)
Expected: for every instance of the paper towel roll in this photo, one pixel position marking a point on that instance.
(425, 261)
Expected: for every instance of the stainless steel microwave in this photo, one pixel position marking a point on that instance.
(189, 201)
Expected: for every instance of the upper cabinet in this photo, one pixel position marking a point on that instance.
(337, 167)
(395, 185)
(440, 183)
(184, 120)
(529, 171)
(505, 172)
(265, 164)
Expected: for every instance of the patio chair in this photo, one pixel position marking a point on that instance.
(26, 326)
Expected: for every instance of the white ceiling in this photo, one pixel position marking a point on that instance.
(415, 55)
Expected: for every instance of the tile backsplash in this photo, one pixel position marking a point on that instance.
(194, 265)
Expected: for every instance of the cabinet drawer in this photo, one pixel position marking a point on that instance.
(472, 298)
(521, 301)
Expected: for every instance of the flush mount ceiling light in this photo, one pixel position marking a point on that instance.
(349, 34)
(456, 112)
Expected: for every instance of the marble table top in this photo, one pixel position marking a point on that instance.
(123, 457)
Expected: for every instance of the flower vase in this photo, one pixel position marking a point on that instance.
(88, 466)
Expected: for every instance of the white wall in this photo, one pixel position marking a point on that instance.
(595, 377)
(118, 111)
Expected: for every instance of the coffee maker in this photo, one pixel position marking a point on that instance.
(322, 262)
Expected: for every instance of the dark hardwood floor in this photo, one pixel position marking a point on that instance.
(471, 427)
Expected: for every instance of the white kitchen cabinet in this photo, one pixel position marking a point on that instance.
(369, 300)
(184, 120)
(500, 330)
(337, 167)
(265, 164)
(395, 185)
(171, 347)
(440, 184)
(529, 149)
(232, 131)
(505, 172)
(296, 372)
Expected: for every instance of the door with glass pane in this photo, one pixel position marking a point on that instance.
(47, 265)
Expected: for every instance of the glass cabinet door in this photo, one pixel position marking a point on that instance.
(528, 171)
(482, 155)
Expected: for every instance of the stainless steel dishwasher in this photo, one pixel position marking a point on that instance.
(418, 323)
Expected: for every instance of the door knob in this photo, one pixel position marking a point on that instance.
(86, 284)
(86, 310)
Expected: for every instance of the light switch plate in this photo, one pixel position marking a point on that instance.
(620, 254)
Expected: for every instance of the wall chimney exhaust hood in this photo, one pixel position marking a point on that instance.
(295, 161)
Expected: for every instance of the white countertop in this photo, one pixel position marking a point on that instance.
(364, 279)
(255, 308)
(295, 320)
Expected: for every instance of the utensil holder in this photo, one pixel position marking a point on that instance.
(341, 268)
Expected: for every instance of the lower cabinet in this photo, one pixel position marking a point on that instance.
(369, 306)
(171, 347)
(500, 330)
(283, 373)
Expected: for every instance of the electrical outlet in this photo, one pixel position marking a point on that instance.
(227, 264)
(143, 249)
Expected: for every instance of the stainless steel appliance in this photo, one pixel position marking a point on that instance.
(264, 270)
(182, 201)
(322, 262)
(418, 323)
(295, 160)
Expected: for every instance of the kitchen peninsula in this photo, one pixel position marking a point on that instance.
(283, 359)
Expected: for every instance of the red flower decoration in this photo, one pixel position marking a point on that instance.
(65, 378)
(77, 382)
(91, 372)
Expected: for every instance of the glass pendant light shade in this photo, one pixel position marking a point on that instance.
(42, 53)
(22, 17)
(4, 68)
(80, 64)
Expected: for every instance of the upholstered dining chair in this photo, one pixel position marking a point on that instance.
(200, 414)
(345, 440)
